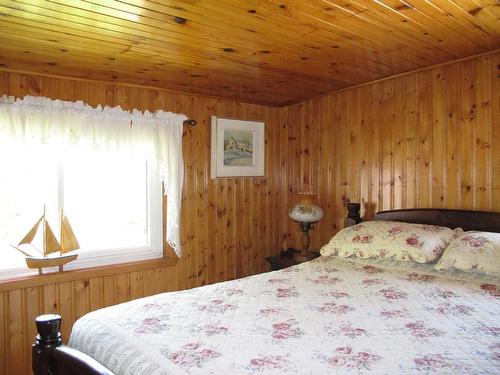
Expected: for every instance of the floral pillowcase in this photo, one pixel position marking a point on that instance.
(391, 240)
(473, 251)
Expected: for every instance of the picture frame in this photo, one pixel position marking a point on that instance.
(237, 148)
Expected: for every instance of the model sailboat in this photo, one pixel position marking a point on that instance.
(49, 244)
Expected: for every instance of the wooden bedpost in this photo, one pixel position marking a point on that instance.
(47, 340)
(353, 215)
(51, 357)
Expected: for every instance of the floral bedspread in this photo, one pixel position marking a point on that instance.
(327, 316)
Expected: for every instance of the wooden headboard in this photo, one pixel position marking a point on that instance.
(467, 220)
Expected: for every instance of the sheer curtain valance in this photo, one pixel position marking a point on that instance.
(156, 136)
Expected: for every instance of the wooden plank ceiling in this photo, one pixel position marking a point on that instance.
(273, 52)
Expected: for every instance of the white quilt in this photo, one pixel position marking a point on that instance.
(327, 316)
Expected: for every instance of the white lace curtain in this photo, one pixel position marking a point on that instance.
(156, 136)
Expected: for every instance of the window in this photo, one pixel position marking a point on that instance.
(113, 202)
(104, 166)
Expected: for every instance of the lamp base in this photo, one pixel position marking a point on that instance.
(304, 256)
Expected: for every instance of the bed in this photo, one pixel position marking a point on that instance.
(326, 316)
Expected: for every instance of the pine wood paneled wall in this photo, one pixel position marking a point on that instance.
(228, 226)
(425, 139)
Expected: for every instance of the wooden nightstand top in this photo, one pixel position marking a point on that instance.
(284, 260)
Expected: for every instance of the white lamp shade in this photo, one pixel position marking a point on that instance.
(306, 213)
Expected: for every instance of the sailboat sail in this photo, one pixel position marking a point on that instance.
(68, 238)
(32, 233)
(51, 245)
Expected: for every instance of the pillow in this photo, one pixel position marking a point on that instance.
(391, 240)
(473, 251)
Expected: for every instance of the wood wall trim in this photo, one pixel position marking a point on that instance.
(86, 273)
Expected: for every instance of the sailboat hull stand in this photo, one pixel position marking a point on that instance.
(58, 261)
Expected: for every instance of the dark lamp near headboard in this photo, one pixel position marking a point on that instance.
(353, 214)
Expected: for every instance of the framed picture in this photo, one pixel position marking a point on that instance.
(237, 148)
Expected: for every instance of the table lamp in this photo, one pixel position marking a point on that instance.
(305, 212)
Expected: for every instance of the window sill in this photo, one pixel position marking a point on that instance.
(31, 281)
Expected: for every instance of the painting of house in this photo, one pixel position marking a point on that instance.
(238, 148)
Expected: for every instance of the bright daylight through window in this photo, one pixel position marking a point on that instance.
(113, 203)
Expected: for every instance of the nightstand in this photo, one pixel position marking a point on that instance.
(284, 260)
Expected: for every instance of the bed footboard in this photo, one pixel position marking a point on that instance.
(51, 357)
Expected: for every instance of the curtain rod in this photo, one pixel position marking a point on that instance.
(190, 122)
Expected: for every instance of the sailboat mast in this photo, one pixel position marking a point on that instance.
(61, 238)
(44, 232)
(62, 230)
